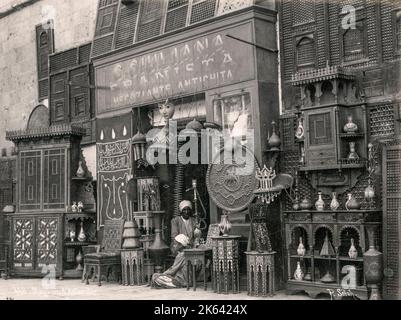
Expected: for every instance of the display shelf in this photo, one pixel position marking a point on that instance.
(81, 178)
(351, 135)
(295, 256)
(68, 243)
(324, 258)
(367, 211)
(348, 259)
(317, 287)
(80, 215)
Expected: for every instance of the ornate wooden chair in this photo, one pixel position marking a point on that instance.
(107, 258)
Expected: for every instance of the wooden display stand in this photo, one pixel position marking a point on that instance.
(226, 264)
(132, 265)
(194, 258)
(260, 265)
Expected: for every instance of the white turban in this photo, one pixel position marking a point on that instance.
(183, 239)
(184, 204)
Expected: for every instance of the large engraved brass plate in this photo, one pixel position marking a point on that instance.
(231, 181)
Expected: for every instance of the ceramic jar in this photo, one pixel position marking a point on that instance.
(352, 203)
(334, 204)
(81, 235)
(74, 207)
(72, 235)
(299, 274)
(80, 172)
(301, 248)
(225, 225)
(352, 252)
(369, 193)
(319, 204)
(79, 259)
(352, 153)
(305, 204)
(80, 206)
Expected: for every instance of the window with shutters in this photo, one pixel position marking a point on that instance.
(353, 38)
(150, 22)
(320, 129)
(353, 44)
(44, 47)
(177, 15)
(202, 10)
(305, 52)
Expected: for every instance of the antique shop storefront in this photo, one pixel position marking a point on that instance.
(215, 78)
(217, 75)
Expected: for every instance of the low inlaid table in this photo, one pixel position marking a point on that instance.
(132, 265)
(196, 257)
(225, 264)
(260, 265)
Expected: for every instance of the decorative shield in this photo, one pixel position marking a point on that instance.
(231, 180)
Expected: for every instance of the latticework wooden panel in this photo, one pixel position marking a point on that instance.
(126, 25)
(202, 10)
(47, 236)
(63, 60)
(84, 53)
(287, 132)
(306, 54)
(150, 20)
(387, 36)
(381, 120)
(303, 11)
(392, 221)
(176, 18)
(102, 45)
(23, 241)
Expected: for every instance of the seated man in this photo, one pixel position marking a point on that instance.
(176, 275)
(185, 223)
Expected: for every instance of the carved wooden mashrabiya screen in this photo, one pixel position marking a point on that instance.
(231, 181)
(47, 231)
(23, 242)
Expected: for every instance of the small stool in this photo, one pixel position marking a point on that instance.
(225, 264)
(259, 264)
(132, 265)
(196, 257)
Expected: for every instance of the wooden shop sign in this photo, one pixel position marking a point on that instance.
(188, 67)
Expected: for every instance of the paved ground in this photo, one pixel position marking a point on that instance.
(36, 289)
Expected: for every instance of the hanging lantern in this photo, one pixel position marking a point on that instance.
(139, 144)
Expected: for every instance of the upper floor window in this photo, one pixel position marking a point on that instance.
(354, 43)
(305, 52)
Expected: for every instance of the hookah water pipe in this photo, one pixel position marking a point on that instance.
(197, 230)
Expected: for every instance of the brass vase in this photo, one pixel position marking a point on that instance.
(373, 265)
(158, 250)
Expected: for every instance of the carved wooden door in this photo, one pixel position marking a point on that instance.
(320, 144)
